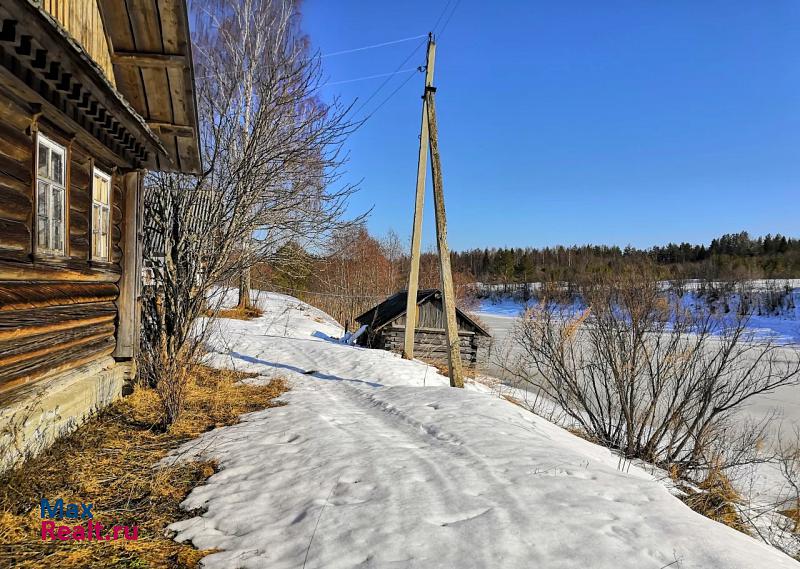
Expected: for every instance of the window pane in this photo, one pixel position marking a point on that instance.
(43, 235)
(57, 218)
(58, 204)
(43, 216)
(101, 190)
(58, 168)
(58, 235)
(102, 233)
(44, 163)
(41, 200)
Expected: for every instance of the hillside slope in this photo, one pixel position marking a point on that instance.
(373, 462)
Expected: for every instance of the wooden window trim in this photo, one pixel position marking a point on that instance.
(37, 251)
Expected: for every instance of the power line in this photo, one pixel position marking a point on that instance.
(455, 7)
(441, 15)
(386, 100)
(413, 52)
(373, 46)
(383, 84)
(372, 76)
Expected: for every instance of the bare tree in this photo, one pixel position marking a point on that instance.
(642, 374)
(271, 152)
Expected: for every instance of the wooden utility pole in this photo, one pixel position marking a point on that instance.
(416, 232)
(429, 140)
(445, 272)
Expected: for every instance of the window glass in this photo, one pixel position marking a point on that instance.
(42, 220)
(44, 163)
(101, 213)
(57, 174)
(50, 196)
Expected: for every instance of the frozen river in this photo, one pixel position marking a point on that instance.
(786, 400)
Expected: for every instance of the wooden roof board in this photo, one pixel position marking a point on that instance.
(115, 18)
(151, 38)
(178, 95)
(145, 23)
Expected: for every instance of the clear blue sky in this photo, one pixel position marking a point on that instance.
(578, 122)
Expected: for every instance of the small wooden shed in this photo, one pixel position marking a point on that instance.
(386, 324)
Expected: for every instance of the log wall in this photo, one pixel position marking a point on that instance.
(56, 312)
(431, 344)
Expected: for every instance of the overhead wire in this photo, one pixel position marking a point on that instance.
(386, 100)
(373, 46)
(383, 83)
(441, 15)
(414, 51)
(450, 17)
(372, 76)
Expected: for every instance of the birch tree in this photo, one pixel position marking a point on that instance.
(271, 156)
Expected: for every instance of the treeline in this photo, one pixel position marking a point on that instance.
(353, 274)
(358, 270)
(734, 256)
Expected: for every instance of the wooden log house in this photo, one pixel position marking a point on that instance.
(92, 94)
(386, 324)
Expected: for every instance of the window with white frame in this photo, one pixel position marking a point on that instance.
(101, 214)
(50, 195)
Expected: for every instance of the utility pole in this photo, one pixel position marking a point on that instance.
(416, 232)
(448, 290)
(429, 140)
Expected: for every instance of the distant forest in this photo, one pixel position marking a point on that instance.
(735, 256)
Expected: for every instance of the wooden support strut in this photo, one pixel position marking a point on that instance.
(416, 232)
(448, 290)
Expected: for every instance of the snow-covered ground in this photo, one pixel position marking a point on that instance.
(374, 462)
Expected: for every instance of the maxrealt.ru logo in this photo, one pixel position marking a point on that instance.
(87, 531)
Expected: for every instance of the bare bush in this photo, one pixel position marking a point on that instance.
(641, 374)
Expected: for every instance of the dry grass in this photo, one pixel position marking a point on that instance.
(108, 462)
(716, 499)
(236, 313)
(794, 515)
(443, 368)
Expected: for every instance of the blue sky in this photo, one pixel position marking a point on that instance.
(577, 122)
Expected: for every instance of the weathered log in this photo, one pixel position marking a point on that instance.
(16, 324)
(20, 349)
(20, 171)
(14, 235)
(21, 295)
(57, 270)
(15, 205)
(79, 353)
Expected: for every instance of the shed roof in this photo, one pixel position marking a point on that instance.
(151, 53)
(395, 306)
